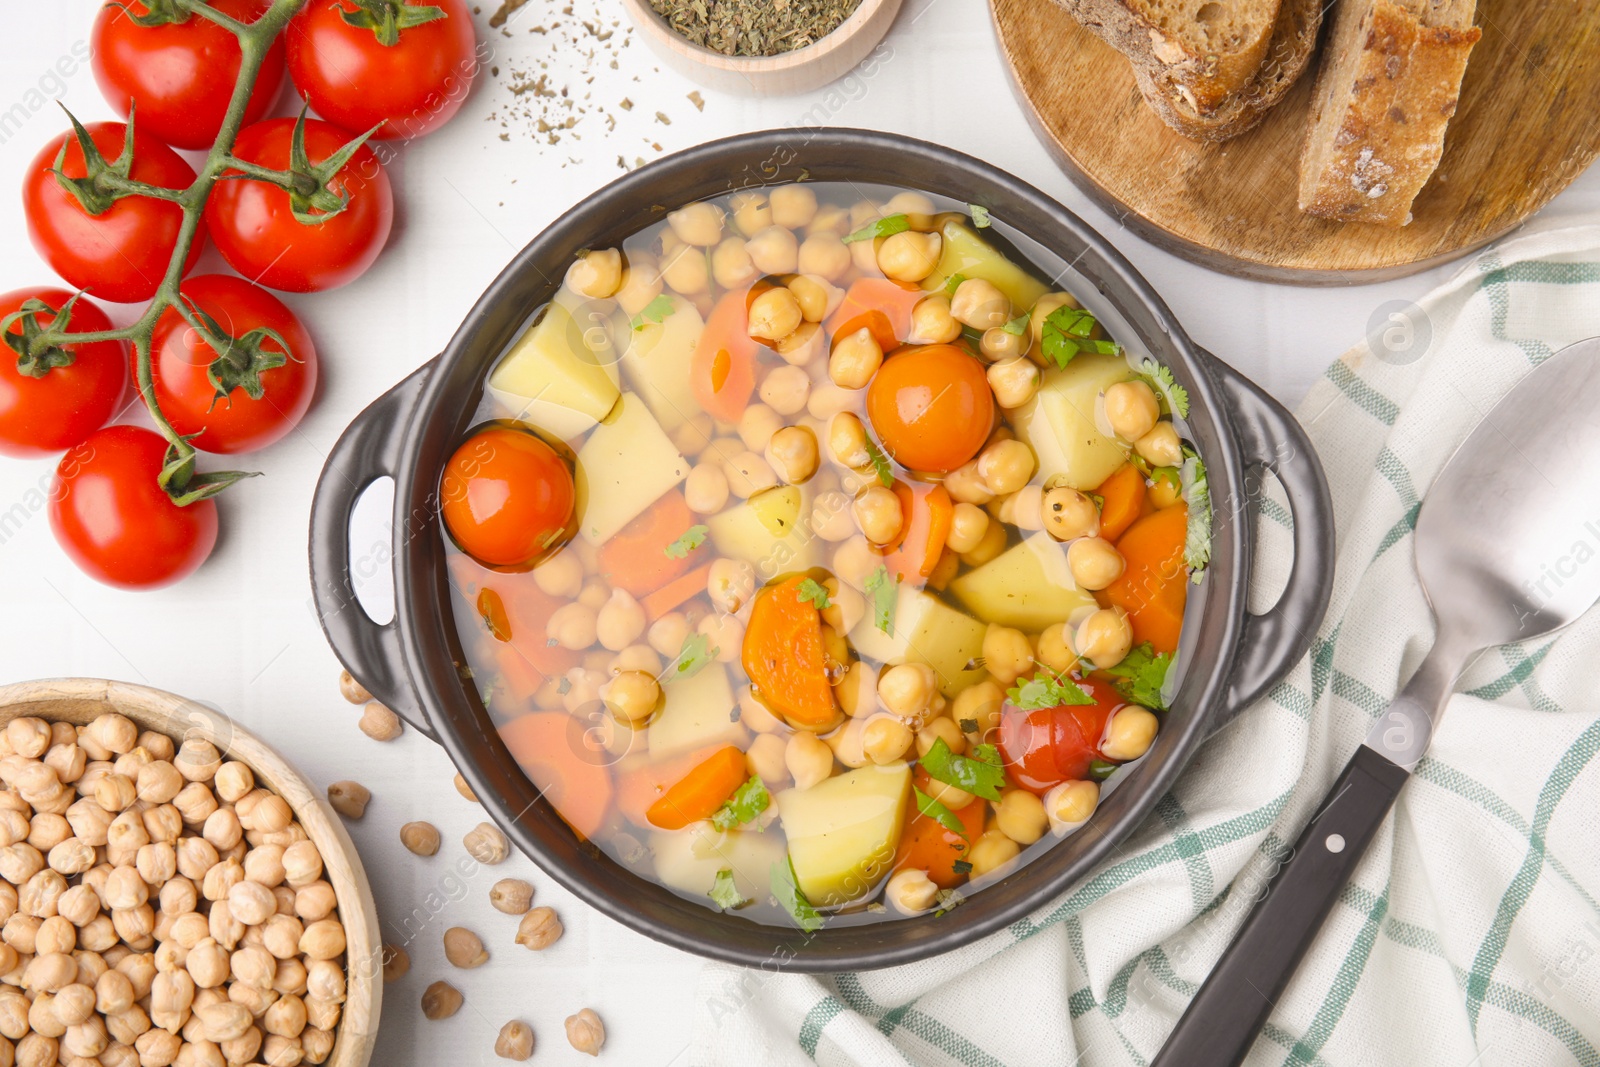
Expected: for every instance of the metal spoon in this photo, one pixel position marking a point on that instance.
(1508, 548)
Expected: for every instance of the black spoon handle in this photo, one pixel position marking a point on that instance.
(1225, 1017)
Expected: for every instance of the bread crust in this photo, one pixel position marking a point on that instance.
(1204, 79)
(1377, 135)
(1294, 41)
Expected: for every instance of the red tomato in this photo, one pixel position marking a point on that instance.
(1047, 747)
(181, 75)
(931, 407)
(179, 360)
(256, 231)
(58, 410)
(353, 80)
(507, 497)
(121, 254)
(116, 523)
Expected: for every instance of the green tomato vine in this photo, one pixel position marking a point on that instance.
(241, 360)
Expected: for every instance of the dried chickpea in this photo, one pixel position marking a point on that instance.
(1014, 380)
(420, 838)
(968, 524)
(910, 891)
(774, 250)
(980, 304)
(1006, 466)
(620, 622)
(857, 691)
(824, 254)
(1069, 514)
(641, 283)
(1070, 804)
(1020, 815)
(511, 896)
(352, 690)
(855, 561)
(349, 799)
(1166, 488)
(803, 346)
(379, 723)
(486, 844)
(932, 323)
(697, 224)
(856, 357)
(991, 852)
(976, 710)
(764, 759)
(539, 929)
(1160, 447)
(597, 274)
(878, 514)
(756, 427)
(792, 453)
(585, 1032)
(885, 739)
(632, 695)
(729, 584)
(730, 264)
(830, 516)
(1104, 637)
(1054, 651)
(847, 441)
(966, 485)
(465, 790)
(1043, 308)
(302, 864)
(396, 963)
(1132, 409)
(464, 949)
(909, 256)
(906, 689)
(1095, 562)
(233, 781)
(793, 206)
(572, 626)
(1129, 734)
(559, 576)
(785, 389)
(748, 474)
(751, 213)
(808, 758)
(706, 488)
(943, 729)
(817, 298)
(441, 1000)
(998, 344)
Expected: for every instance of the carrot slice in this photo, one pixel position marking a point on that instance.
(698, 794)
(880, 305)
(552, 750)
(1123, 498)
(927, 846)
(642, 787)
(1155, 586)
(723, 369)
(927, 511)
(636, 557)
(675, 592)
(785, 659)
(523, 611)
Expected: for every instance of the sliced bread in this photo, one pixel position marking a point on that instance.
(1207, 50)
(1294, 41)
(1384, 98)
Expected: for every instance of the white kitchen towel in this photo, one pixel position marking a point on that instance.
(1469, 937)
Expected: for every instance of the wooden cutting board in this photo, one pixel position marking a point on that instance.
(1528, 124)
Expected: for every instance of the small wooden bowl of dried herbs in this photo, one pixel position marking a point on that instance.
(763, 47)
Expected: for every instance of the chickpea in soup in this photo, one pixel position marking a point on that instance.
(815, 557)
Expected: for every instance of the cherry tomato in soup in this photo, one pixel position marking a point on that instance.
(1048, 746)
(355, 79)
(122, 253)
(508, 497)
(181, 360)
(116, 523)
(253, 222)
(57, 408)
(180, 74)
(931, 407)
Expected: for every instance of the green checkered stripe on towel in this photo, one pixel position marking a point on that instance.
(1470, 934)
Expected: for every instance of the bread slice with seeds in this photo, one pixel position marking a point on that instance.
(1388, 88)
(1205, 50)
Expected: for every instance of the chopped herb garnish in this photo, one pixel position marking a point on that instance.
(1044, 690)
(654, 312)
(976, 776)
(1196, 494)
(968, 726)
(787, 893)
(887, 226)
(1141, 676)
(564, 686)
(884, 592)
(1018, 325)
(694, 657)
(961, 867)
(980, 216)
(938, 813)
(987, 754)
(814, 591)
(687, 542)
(724, 894)
(1174, 397)
(948, 900)
(880, 463)
(953, 283)
(748, 801)
(1100, 770)
(1066, 332)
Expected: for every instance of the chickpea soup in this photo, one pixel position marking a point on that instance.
(817, 558)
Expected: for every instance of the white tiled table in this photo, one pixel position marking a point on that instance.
(241, 634)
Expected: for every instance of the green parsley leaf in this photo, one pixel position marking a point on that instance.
(787, 892)
(1197, 494)
(748, 801)
(724, 894)
(880, 463)
(695, 656)
(987, 754)
(977, 776)
(953, 283)
(980, 216)
(1100, 770)
(938, 813)
(884, 592)
(1174, 397)
(1141, 676)
(687, 542)
(887, 226)
(1017, 326)
(654, 312)
(1066, 332)
(812, 590)
(1044, 690)
(961, 867)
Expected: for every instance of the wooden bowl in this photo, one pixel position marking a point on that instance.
(79, 700)
(799, 71)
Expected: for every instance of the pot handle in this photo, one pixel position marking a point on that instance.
(368, 449)
(1270, 438)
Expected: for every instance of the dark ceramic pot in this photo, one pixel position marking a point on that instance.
(411, 664)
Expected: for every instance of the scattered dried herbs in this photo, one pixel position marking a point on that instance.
(754, 27)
